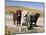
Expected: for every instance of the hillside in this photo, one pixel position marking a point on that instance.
(14, 8)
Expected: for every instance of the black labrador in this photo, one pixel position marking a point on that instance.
(33, 20)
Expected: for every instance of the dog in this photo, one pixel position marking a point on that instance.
(33, 20)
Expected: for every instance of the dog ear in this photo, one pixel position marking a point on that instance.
(37, 15)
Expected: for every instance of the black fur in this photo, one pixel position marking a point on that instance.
(33, 19)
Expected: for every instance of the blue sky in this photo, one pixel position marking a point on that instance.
(34, 5)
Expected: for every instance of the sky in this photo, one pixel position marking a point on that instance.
(34, 5)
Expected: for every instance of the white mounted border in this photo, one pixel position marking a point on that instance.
(2, 17)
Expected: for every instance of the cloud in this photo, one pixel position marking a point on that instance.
(15, 0)
(19, 0)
